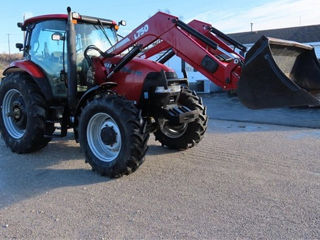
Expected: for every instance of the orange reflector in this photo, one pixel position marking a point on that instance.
(116, 27)
(74, 21)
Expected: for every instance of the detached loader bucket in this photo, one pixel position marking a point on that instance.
(279, 73)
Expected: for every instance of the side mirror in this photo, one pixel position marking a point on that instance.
(122, 23)
(57, 36)
(20, 25)
(19, 46)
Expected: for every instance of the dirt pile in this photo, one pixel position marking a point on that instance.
(6, 59)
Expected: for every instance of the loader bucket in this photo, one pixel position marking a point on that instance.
(279, 73)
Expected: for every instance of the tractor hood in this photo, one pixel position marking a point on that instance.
(133, 75)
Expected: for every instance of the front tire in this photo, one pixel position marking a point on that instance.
(187, 135)
(113, 135)
(23, 114)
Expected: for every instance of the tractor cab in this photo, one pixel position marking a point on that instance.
(46, 46)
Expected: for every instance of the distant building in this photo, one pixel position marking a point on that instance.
(305, 34)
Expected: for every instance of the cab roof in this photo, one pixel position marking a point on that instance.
(44, 18)
(82, 18)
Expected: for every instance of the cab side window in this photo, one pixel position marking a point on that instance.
(48, 53)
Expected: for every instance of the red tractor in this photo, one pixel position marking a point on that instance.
(77, 74)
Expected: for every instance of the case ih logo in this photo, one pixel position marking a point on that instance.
(141, 31)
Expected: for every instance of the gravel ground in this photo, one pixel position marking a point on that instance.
(245, 181)
(221, 107)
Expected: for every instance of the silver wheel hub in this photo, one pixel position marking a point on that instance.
(104, 137)
(13, 115)
(171, 130)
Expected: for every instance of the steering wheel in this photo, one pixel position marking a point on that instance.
(93, 47)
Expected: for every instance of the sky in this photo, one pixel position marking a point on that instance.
(229, 16)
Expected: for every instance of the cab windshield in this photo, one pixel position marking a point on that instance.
(102, 36)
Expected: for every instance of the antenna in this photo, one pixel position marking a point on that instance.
(251, 26)
(9, 44)
(24, 32)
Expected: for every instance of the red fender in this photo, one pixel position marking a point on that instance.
(35, 72)
(26, 66)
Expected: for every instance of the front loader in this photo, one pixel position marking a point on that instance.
(274, 73)
(76, 74)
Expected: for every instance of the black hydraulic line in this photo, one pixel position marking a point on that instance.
(127, 58)
(165, 53)
(228, 39)
(164, 58)
(196, 34)
(183, 69)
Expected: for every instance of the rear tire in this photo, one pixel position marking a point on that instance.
(113, 135)
(23, 114)
(184, 136)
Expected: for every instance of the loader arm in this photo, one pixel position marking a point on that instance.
(275, 72)
(200, 51)
(223, 41)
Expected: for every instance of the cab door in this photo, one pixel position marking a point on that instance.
(49, 53)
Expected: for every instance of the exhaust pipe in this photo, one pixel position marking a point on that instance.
(279, 73)
(71, 61)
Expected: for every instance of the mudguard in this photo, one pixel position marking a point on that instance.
(35, 72)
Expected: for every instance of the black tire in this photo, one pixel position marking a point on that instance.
(26, 133)
(128, 133)
(188, 135)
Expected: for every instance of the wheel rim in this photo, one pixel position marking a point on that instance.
(13, 113)
(172, 131)
(104, 137)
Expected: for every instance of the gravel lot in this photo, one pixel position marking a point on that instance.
(244, 180)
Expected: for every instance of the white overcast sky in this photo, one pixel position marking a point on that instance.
(229, 16)
(270, 15)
